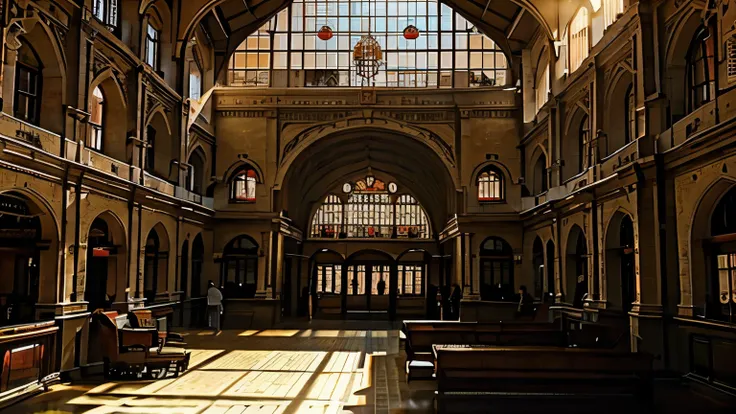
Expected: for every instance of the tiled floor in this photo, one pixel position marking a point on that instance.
(322, 367)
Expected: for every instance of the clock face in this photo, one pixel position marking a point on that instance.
(347, 188)
(392, 188)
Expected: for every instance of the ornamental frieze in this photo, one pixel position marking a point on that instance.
(247, 114)
(486, 113)
(419, 117)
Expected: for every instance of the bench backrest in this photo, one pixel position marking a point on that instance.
(550, 359)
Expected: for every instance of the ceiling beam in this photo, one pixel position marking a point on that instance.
(222, 21)
(515, 24)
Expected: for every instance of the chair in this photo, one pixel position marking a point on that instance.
(135, 350)
(143, 318)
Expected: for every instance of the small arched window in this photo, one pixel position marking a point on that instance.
(243, 186)
(630, 115)
(584, 139)
(578, 39)
(490, 185)
(28, 80)
(701, 69)
(97, 112)
(153, 42)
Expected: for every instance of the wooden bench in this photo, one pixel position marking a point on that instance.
(469, 372)
(422, 335)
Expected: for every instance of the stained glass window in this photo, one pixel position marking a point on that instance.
(371, 211)
(449, 51)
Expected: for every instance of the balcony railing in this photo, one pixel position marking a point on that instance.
(158, 184)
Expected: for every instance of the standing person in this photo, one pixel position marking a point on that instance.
(457, 295)
(526, 303)
(381, 287)
(214, 306)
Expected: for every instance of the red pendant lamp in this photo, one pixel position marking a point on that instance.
(325, 32)
(411, 32)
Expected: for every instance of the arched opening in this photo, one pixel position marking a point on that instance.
(156, 267)
(700, 84)
(184, 268)
(39, 80)
(540, 184)
(620, 116)
(105, 270)
(108, 122)
(721, 260)
(576, 269)
(574, 144)
(551, 289)
(239, 268)
(197, 263)
(620, 263)
(243, 185)
(325, 284)
(196, 175)
(21, 244)
(369, 277)
(158, 154)
(496, 270)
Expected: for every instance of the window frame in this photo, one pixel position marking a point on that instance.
(250, 178)
(491, 170)
(154, 42)
(578, 41)
(700, 43)
(109, 16)
(36, 98)
(336, 269)
(401, 270)
(97, 135)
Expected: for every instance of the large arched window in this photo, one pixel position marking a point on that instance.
(541, 91)
(496, 270)
(327, 220)
(96, 117)
(723, 262)
(449, 51)
(701, 69)
(371, 211)
(239, 269)
(243, 185)
(578, 43)
(611, 10)
(490, 185)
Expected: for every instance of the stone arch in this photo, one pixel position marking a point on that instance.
(235, 167)
(620, 261)
(539, 177)
(105, 270)
(159, 135)
(44, 44)
(376, 124)
(616, 114)
(700, 231)
(46, 252)
(576, 265)
(114, 124)
(573, 147)
(157, 248)
(678, 45)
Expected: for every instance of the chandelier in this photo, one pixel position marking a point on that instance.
(367, 54)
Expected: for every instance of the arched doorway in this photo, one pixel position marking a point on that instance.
(620, 263)
(184, 267)
(496, 270)
(539, 269)
(156, 267)
(370, 281)
(576, 269)
(197, 262)
(551, 292)
(721, 253)
(325, 284)
(413, 287)
(105, 264)
(239, 268)
(20, 257)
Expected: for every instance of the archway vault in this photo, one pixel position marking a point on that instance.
(324, 164)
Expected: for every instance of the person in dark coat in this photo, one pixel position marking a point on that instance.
(526, 302)
(457, 295)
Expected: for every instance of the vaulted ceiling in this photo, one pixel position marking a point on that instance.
(510, 23)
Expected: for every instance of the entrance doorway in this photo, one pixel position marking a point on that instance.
(369, 288)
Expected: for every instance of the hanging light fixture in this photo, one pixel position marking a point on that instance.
(367, 53)
(411, 32)
(325, 33)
